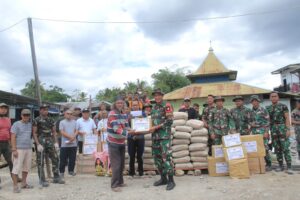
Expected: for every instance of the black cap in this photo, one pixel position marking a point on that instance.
(157, 91)
(44, 106)
(85, 110)
(217, 98)
(238, 98)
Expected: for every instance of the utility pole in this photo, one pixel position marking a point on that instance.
(35, 69)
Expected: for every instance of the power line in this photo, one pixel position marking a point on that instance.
(11, 26)
(172, 21)
(158, 21)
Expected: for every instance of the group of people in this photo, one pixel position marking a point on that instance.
(113, 125)
(272, 122)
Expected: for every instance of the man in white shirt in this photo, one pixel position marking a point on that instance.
(84, 126)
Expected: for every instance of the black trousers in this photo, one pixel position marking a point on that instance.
(80, 145)
(117, 162)
(136, 148)
(6, 152)
(67, 156)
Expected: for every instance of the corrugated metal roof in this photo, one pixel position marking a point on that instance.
(219, 88)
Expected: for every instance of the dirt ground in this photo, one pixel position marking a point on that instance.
(267, 186)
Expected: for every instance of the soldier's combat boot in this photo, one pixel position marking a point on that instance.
(162, 181)
(280, 167)
(171, 183)
(58, 180)
(289, 169)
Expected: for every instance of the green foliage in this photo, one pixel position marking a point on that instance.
(109, 94)
(169, 81)
(52, 94)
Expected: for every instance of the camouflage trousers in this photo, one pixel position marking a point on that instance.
(49, 149)
(297, 134)
(209, 144)
(162, 154)
(218, 136)
(268, 158)
(281, 144)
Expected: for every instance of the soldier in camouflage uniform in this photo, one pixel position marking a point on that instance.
(220, 121)
(296, 123)
(241, 116)
(280, 131)
(45, 138)
(162, 120)
(205, 114)
(260, 124)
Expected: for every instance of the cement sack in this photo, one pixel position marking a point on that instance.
(180, 141)
(148, 143)
(149, 167)
(199, 140)
(147, 150)
(200, 165)
(179, 173)
(185, 159)
(149, 161)
(180, 154)
(173, 130)
(148, 137)
(184, 166)
(197, 147)
(147, 155)
(198, 153)
(199, 159)
(179, 122)
(201, 132)
(180, 147)
(180, 115)
(183, 129)
(195, 124)
(182, 135)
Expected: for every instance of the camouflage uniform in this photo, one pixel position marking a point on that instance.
(205, 115)
(45, 138)
(242, 118)
(278, 128)
(220, 122)
(260, 124)
(296, 117)
(162, 114)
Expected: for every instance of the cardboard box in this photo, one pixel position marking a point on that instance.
(254, 145)
(235, 153)
(257, 165)
(217, 167)
(217, 151)
(239, 169)
(231, 140)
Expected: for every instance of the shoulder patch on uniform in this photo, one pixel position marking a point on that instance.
(169, 108)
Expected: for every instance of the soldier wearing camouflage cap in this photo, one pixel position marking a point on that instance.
(162, 120)
(260, 122)
(220, 121)
(241, 116)
(44, 133)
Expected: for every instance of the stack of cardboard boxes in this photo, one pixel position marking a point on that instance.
(238, 156)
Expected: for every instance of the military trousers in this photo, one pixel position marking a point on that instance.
(162, 154)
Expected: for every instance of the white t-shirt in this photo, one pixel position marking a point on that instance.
(86, 126)
(103, 124)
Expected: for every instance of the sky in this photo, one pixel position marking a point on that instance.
(94, 56)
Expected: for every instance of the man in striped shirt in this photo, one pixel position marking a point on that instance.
(118, 129)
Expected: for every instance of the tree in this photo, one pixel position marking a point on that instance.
(168, 81)
(132, 87)
(53, 94)
(108, 94)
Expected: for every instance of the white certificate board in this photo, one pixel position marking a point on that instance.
(141, 124)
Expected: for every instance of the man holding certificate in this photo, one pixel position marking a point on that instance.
(136, 143)
(162, 118)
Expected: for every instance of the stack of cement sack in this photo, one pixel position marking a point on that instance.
(189, 143)
(198, 146)
(148, 158)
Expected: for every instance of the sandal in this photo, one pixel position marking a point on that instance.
(27, 186)
(16, 189)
